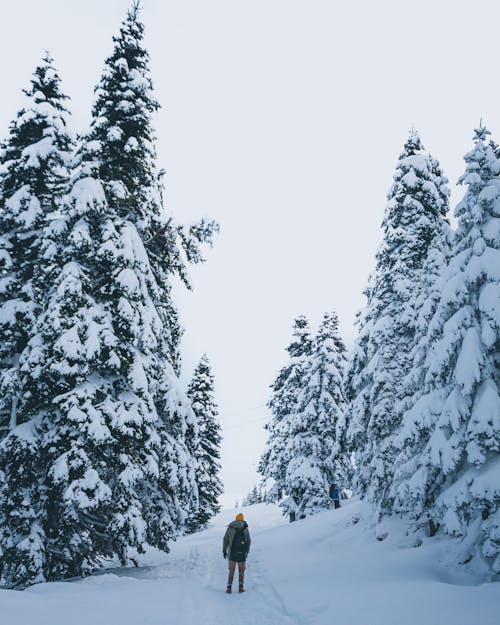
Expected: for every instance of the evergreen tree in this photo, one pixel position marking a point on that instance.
(33, 173)
(449, 446)
(112, 467)
(331, 404)
(121, 142)
(253, 497)
(285, 390)
(121, 149)
(382, 357)
(314, 456)
(207, 450)
(99, 464)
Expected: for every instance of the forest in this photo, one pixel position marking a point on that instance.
(106, 454)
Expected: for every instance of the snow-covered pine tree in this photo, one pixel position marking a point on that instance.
(381, 359)
(330, 364)
(253, 497)
(449, 463)
(313, 452)
(285, 390)
(207, 449)
(122, 140)
(33, 172)
(114, 470)
(121, 144)
(424, 301)
(382, 356)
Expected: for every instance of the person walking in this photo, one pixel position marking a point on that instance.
(335, 495)
(235, 547)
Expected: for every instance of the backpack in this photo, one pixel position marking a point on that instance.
(239, 545)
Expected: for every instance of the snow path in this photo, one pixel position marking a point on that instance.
(319, 571)
(197, 568)
(199, 575)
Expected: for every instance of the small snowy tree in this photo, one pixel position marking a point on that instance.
(313, 453)
(207, 449)
(33, 173)
(382, 356)
(285, 390)
(254, 496)
(448, 467)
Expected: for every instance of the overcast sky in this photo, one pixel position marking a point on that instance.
(282, 119)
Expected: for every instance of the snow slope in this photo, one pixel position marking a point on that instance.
(319, 571)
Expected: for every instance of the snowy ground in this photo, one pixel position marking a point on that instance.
(318, 571)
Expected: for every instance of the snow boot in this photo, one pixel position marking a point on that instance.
(240, 588)
(228, 590)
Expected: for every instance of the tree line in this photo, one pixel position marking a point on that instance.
(411, 417)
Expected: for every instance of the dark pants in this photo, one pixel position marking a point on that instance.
(336, 503)
(241, 572)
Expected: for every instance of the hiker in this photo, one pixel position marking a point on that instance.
(334, 493)
(236, 546)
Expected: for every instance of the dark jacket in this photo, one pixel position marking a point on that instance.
(334, 492)
(227, 544)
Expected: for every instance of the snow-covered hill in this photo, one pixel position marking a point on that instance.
(322, 570)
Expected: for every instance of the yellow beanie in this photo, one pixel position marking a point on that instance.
(239, 517)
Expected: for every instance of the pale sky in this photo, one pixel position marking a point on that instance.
(282, 119)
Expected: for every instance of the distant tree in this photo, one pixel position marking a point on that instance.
(206, 450)
(253, 497)
(34, 164)
(314, 453)
(415, 218)
(305, 450)
(285, 389)
(447, 468)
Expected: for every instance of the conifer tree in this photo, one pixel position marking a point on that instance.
(121, 147)
(314, 456)
(382, 357)
(285, 390)
(330, 399)
(448, 463)
(114, 473)
(207, 450)
(33, 172)
(253, 497)
(121, 141)
(99, 464)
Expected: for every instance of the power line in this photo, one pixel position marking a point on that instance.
(242, 424)
(228, 422)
